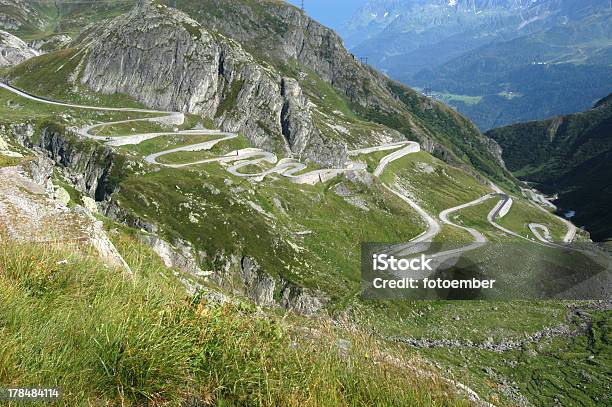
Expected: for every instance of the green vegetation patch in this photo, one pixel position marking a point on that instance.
(167, 142)
(15, 109)
(476, 217)
(127, 129)
(450, 234)
(435, 184)
(522, 214)
(219, 149)
(6, 161)
(468, 100)
(476, 321)
(66, 320)
(571, 371)
(373, 159)
(324, 95)
(229, 99)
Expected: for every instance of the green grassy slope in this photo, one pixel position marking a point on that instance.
(437, 185)
(228, 222)
(66, 320)
(568, 371)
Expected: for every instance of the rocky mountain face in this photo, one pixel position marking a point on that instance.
(279, 33)
(13, 50)
(284, 37)
(570, 156)
(17, 15)
(201, 72)
(264, 69)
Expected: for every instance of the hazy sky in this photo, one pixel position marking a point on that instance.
(331, 13)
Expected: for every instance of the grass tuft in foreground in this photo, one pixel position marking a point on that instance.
(66, 320)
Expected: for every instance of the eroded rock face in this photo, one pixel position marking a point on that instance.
(88, 167)
(291, 35)
(180, 255)
(29, 213)
(13, 50)
(51, 43)
(259, 286)
(495, 150)
(299, 130)
(301, 300)
(41, 171)
(201, 72)
(167, 61)
(3, 144)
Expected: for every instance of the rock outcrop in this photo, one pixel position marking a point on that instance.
(40, 170)
(298, 128)
(29, 213)
(51, 43)
(179, 256)
(13, 50)
(196, 71)
(88, 166)
(17, 14)
(259, 286)
(4, 146)
(301, 300)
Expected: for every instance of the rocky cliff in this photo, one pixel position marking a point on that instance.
(13, 50)
(281, 33)
(92, 168)
(289, 40)
(201, 72)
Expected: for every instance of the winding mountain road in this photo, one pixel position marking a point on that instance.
(570, 235)
(421, 242)
(544, 236)
(287, 167)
